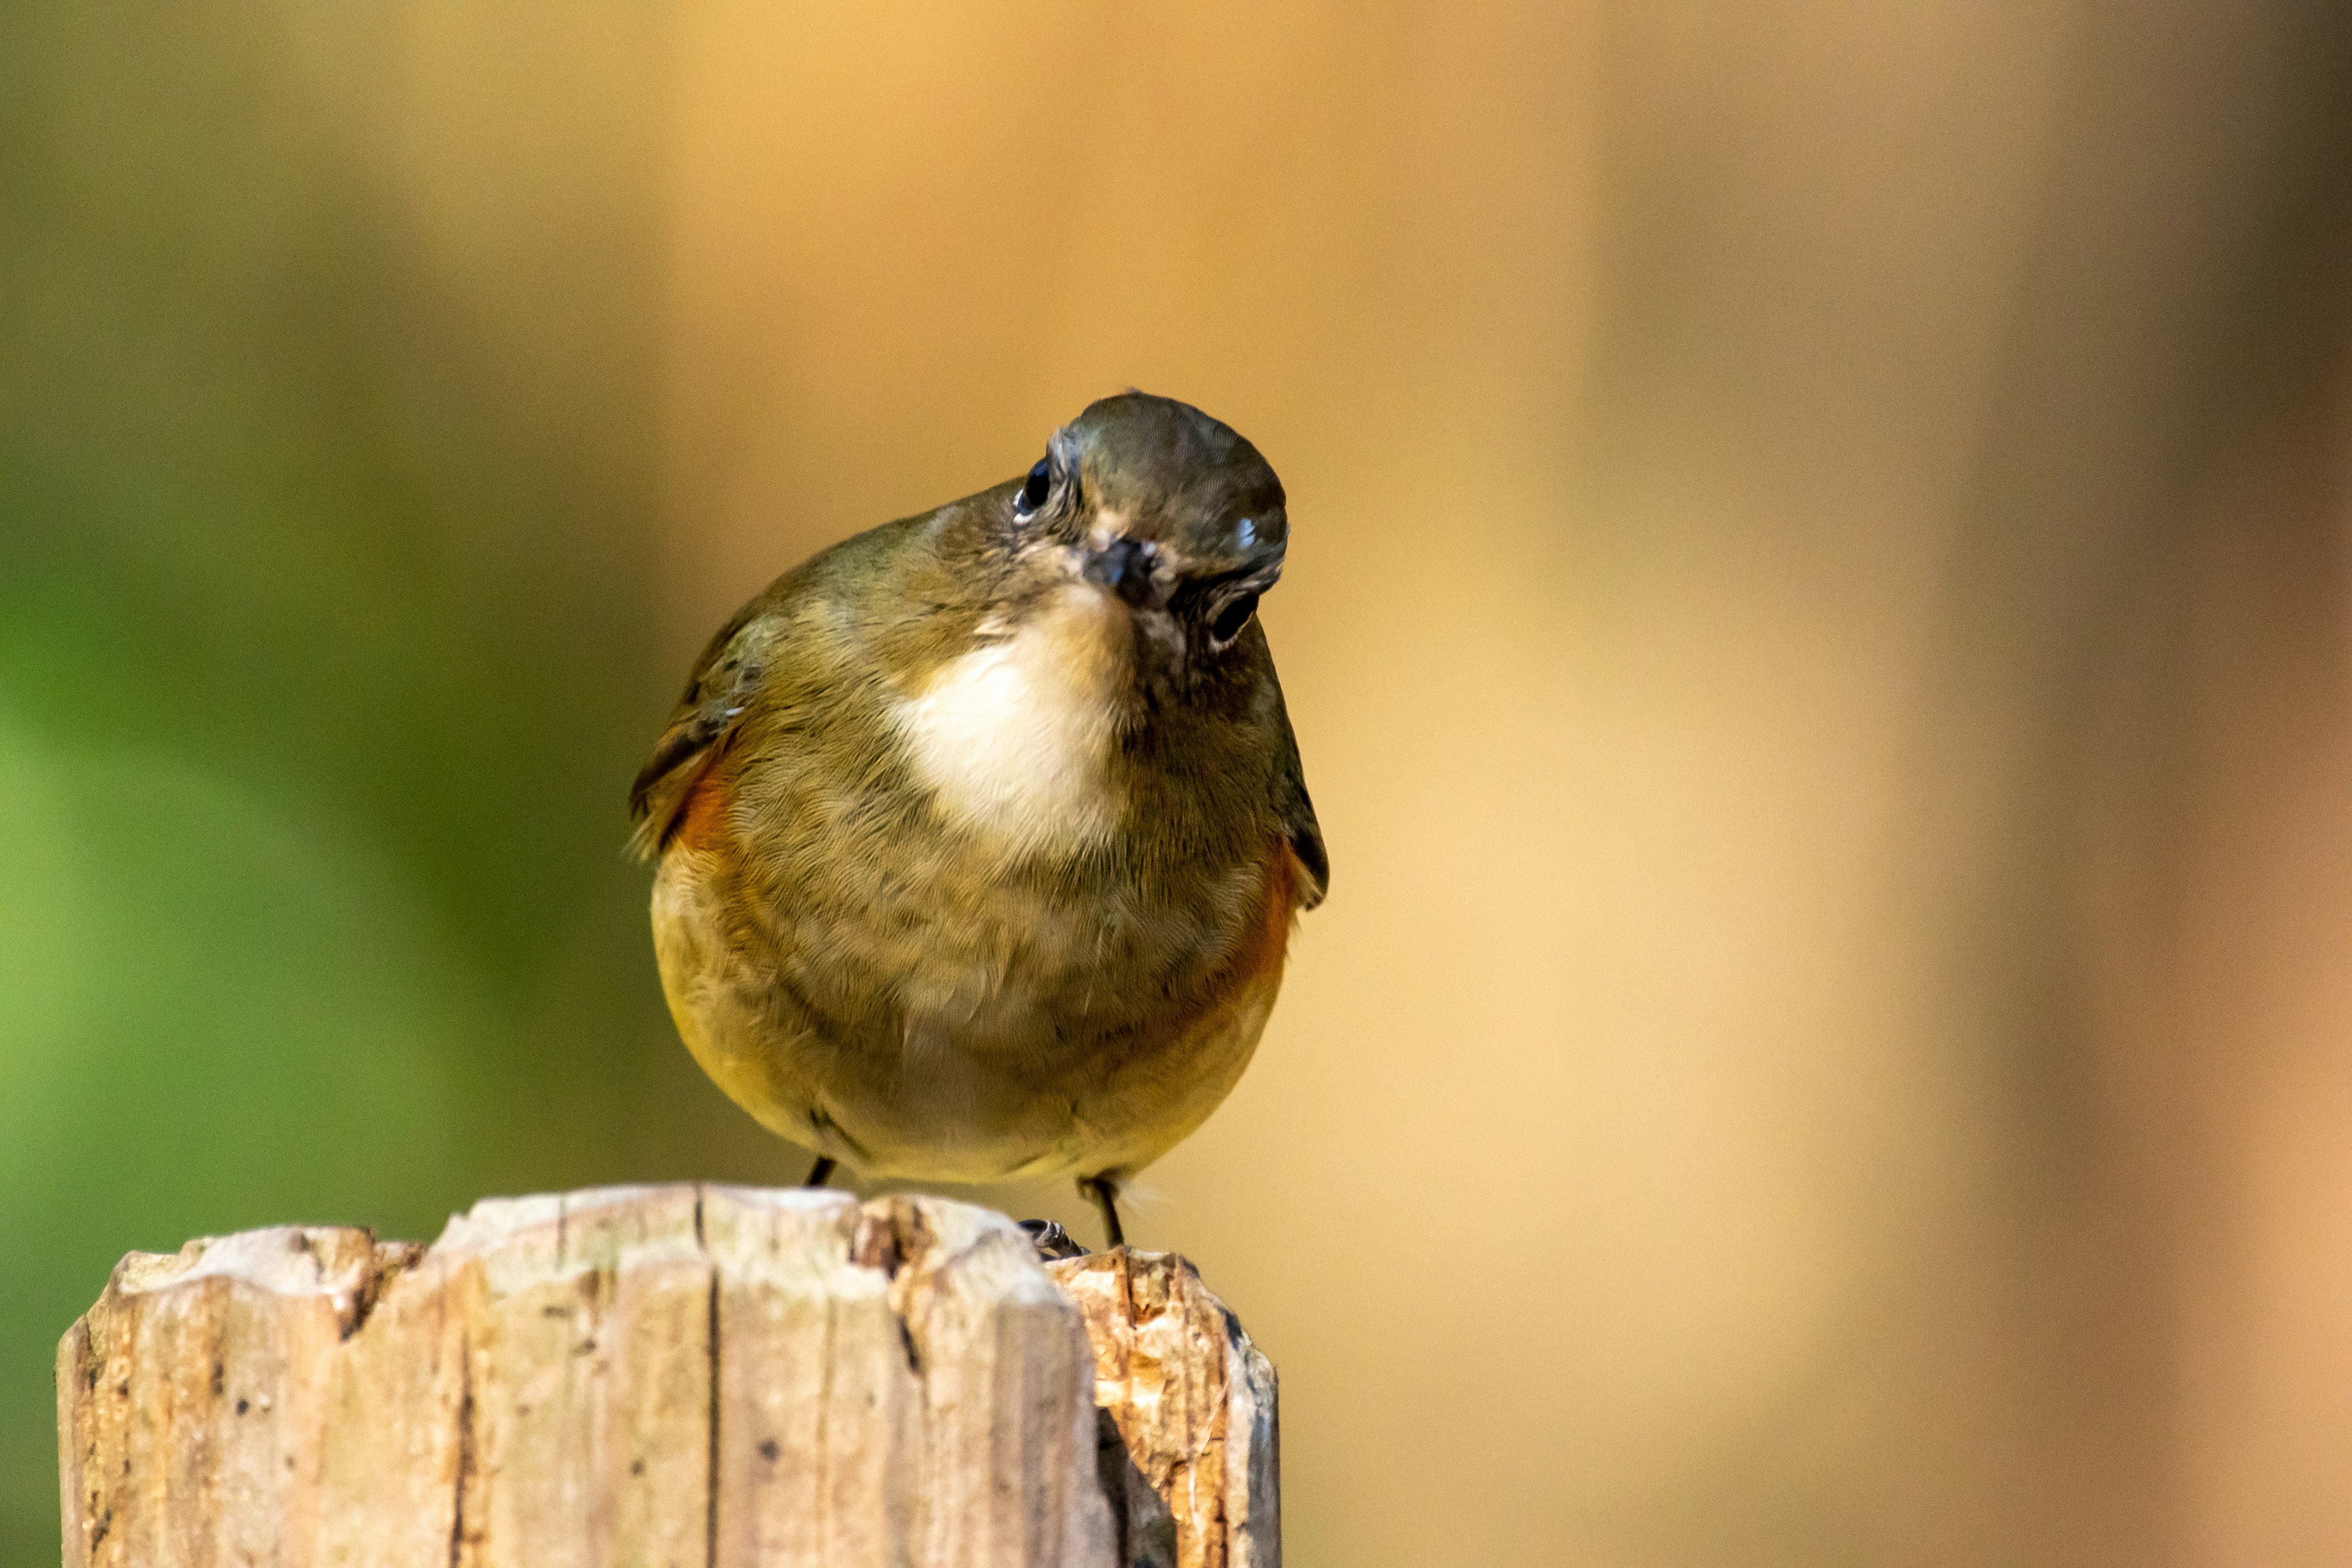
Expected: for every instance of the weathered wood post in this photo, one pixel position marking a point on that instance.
(687, 1375)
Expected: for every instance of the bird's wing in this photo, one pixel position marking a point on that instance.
(716, 695)
(1297, 812)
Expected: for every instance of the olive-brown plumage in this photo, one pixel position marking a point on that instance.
(980, 834)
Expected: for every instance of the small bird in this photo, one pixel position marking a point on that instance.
(980, 835)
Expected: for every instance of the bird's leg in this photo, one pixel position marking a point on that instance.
(821, 1173)
(1103, 1192)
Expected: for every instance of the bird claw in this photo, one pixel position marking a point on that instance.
(1051, 1240)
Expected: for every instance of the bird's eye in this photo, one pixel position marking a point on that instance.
(1231, 619)
(1034, 488)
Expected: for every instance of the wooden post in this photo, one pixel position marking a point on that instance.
(686, 1375)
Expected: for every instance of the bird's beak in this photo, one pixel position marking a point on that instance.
(1124, 567)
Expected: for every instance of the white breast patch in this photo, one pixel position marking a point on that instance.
(1016, 738)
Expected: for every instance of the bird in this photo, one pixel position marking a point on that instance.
(980, 837)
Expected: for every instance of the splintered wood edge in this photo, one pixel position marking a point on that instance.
(348, 1267)
(1193, 1401)
(1192, 1398)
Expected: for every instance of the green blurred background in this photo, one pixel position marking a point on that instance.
(1817, 626)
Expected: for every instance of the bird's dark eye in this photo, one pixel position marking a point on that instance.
(1034, 489)
(1231, 619)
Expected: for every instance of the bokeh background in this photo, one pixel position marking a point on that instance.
(1818, 627)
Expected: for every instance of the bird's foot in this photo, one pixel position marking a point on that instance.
(1051, 1240)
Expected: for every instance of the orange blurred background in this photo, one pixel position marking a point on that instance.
(1817, 624)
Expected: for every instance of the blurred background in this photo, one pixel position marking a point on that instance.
(1818, 626)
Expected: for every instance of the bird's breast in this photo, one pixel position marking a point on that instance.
(1017, 738)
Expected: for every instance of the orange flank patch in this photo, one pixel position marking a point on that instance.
(1185, 1063)
(702, 818)
(1260, 954)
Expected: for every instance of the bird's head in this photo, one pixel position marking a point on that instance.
(1158, 506)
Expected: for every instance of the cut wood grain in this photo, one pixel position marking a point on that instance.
(686, 1375)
